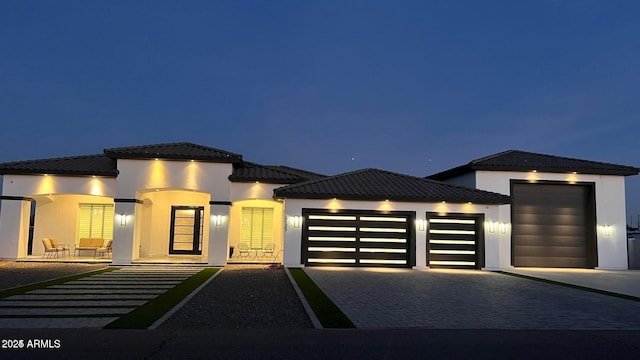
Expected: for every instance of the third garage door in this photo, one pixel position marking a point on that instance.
(454, 241)
(357, 238)
(553, 225)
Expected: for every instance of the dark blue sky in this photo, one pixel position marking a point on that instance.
(329, 86)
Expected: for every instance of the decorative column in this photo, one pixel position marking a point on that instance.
(123, 231)
(421, 245)
(14, 226)
(219, 233)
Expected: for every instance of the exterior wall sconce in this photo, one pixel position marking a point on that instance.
(297, 220)
(217, 219)
(502, 227)
(421, 224)
(123, 219)
(607, 230)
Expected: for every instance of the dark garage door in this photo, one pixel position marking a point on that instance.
(553, 225)
(357, 238)
(454, 241)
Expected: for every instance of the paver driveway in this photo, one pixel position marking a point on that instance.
(382, 298)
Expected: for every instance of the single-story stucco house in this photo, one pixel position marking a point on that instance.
(183, 202)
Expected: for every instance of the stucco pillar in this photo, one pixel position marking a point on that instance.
(123, 232)
(421, 246)
(292, 256)
(219, 233)
(14, 227)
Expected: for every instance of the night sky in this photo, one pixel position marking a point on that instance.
(329, 86)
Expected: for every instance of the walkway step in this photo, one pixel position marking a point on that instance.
(66, 311)
(80, 297)
(89, 301)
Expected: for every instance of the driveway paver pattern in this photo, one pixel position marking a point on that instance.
(439, 299)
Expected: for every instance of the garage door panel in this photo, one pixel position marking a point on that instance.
(455, 247)
(549, 217)
(331, 254)
(555, 251)
(470, 228)
(449, 257)
(453, 241)
(331, 233)
(357, 238)
(553, 262)
(552, 225)
(556, 240)
(547, 230)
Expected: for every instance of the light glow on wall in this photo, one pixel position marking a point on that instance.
(47, 185)
(96, 187)
(572, 178)
(157, 176)
(192, 176)
(334, 204)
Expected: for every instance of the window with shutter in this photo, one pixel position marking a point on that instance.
(257, 226)
(96, 220)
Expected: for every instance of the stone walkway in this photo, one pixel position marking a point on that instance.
(93, 301)
(438, 299)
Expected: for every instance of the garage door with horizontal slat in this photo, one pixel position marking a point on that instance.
(454, 241)
(553, 225)
(356, 238)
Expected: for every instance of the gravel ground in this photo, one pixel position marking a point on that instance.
(14, 274)
(243, 297)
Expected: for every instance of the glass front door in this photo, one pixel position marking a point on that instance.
(187, 227)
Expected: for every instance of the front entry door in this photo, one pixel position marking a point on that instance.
(186, 230)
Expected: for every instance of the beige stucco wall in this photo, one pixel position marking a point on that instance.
(58, 215)
(52, 216)
(154, 219)
(235, 218)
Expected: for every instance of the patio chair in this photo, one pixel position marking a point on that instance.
(244, 249)
(268, 250)
(105, 250)
(49, 250)
(60, 247)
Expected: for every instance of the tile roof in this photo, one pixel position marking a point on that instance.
(516, 160)
(250, 172)
(98, 165)
(177, 151)
(374, 184)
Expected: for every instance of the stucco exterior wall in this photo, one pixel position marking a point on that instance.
(235, 219)
(137, 175)
(46, 189)
(253, 190)
(493, 241)
(155, 219)
(57, 216)
(610, 207)
(30, 185)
